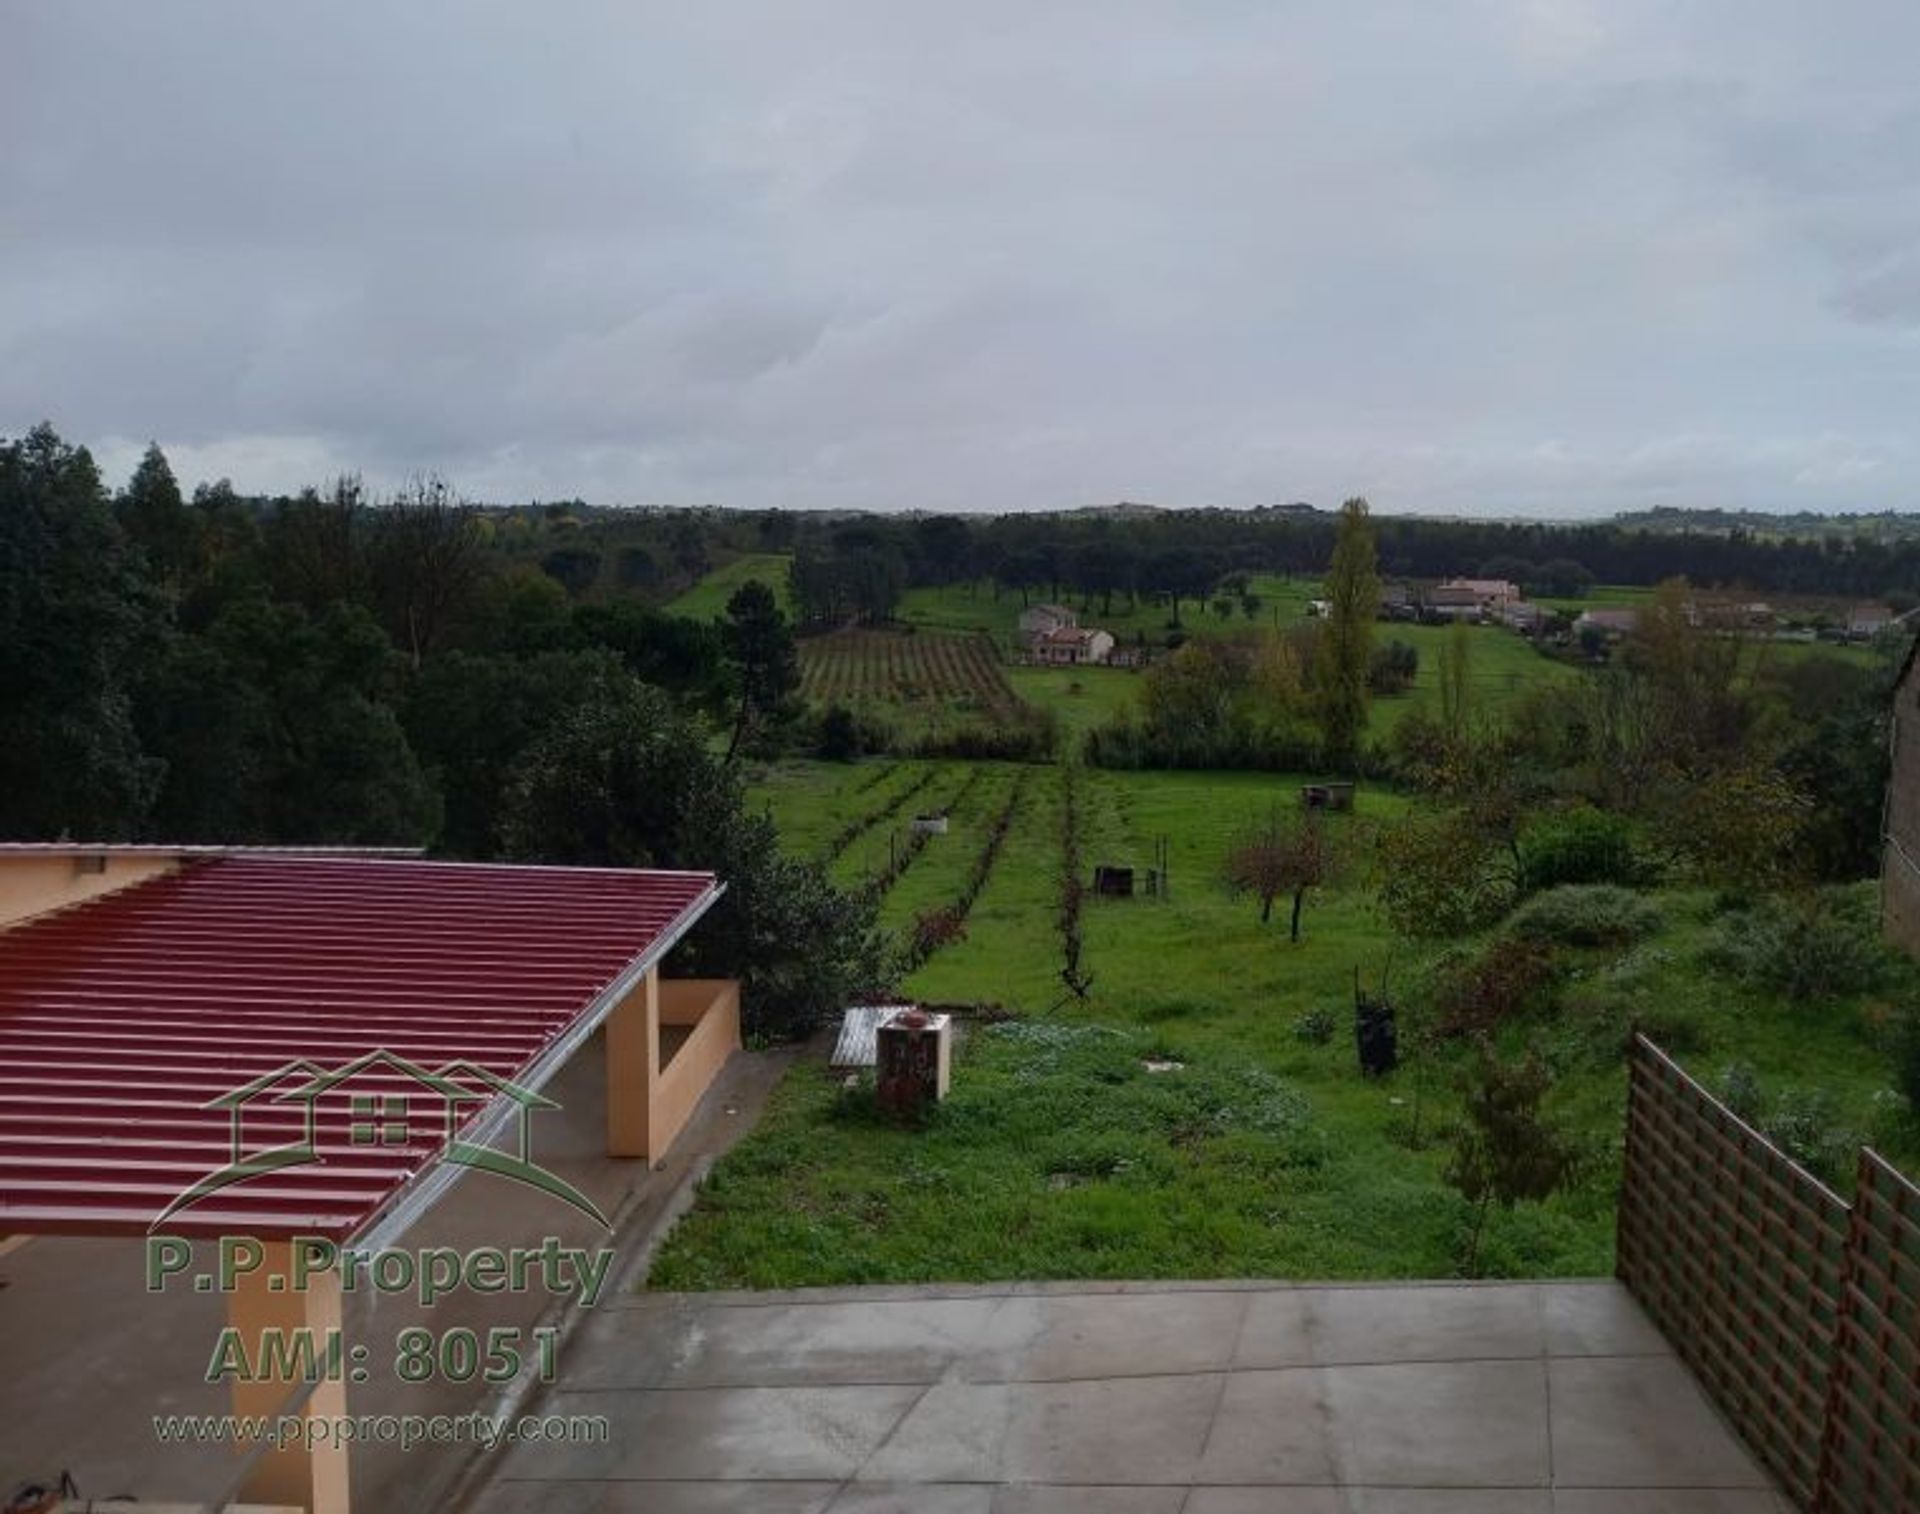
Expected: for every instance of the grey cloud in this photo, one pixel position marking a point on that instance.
(1551, 256)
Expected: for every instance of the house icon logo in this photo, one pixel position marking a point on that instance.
(302, 1115)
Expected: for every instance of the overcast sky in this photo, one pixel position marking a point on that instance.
(1547, 257)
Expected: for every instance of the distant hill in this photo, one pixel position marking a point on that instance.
(1880, 525)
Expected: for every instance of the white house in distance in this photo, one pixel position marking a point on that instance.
(1864, 622)
(1040, 621)
(1074, 644)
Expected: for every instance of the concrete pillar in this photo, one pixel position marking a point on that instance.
(633, 1070)
(264, 1300)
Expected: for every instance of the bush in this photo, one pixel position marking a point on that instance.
(1582, 845)
(1392, 668)
(1474, 995)
(1891, 1121)
(1586, 914)
(1316, 1027)
(935, 928)
(1904, 1039)
(1419, 749)
(845, 735)
(1028, 738)
(1802, 1125)
(1819, 943)
(1740, 1090)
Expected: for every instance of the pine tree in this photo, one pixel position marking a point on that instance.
(760, 648)
(157, 521)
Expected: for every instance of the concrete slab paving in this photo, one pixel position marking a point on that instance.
(1369, 1501)
(1640, 1422)
(1525, 1398)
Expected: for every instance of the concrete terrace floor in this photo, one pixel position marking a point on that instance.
(1219, 1398)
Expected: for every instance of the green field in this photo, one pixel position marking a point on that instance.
(708, 598)
(1174, 1122)
(1061, 1154)
(967, 607)
(1502, 667)
(1504, 664)
(925, 699)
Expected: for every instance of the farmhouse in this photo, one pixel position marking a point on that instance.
(1471, 598)
(1039, 621)
(1729, 615)
(1864, 622)
(1073, 645)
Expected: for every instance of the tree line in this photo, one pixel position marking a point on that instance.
(854, 570)
(333, 669)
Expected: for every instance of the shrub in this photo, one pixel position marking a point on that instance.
(1802, 1125)
(1473, 995)
(1582, 845)
(1598, 1026)
(845, 735)
(1392, 668)
(1891, 1120)
(1316, 1027)
(935, 928)
(1438, 877)
(1031, 737)
(1507, 1151)
(1740, 1090)
(1586, 914)
(1904, 1039)
(1817, 943)
(1419, 749)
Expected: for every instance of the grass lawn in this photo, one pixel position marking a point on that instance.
(1080, 697)
(708, 598)
(1283, 601)
(1502, 666)
(1061, 1154)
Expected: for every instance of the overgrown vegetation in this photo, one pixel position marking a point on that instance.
(1586, 914)
(1807, 946)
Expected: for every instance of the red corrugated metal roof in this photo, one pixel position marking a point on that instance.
(121, 1018)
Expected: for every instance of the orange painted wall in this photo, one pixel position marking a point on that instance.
(31, 883)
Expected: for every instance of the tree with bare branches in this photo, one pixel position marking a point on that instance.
(426, 560)
(1284, 854)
